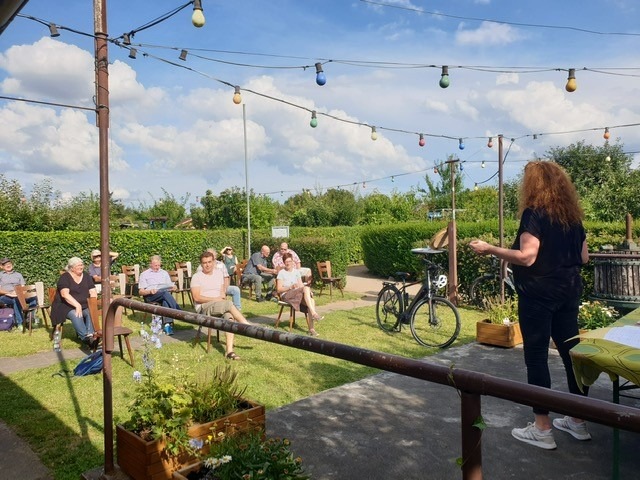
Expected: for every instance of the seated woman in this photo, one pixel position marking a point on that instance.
(291, 290)
(74, 288)
(230, 260)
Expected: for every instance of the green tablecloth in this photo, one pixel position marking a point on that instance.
(594, 355)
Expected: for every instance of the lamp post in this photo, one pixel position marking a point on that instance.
(246, 179)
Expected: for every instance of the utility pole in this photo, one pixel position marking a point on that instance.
(503, 265)
(452, 235)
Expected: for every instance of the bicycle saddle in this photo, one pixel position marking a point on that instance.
(402, 276)
(425, 250)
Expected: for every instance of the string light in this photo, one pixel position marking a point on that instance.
(482, 165)
(535, 136)
(606, 135)
(237, 98)
(183, 55)
(571, 85)
(321, 78)
(364, 185)
(475, 187)
(392, 179)
(53, 31)
(132, 53)
(444, 77)
(435, 170)
(490, 142)
(460, 144)
(126, 39)
(198, 17)
(314, 120)
(374, 134)
(421, 142)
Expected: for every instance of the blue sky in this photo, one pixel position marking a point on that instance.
(178, 130)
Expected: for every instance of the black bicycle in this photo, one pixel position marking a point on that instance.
(487, 285)
(434, 320)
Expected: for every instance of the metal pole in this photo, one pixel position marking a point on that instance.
(452, 236)
(501, 215)
(102, 109)
(246, 179)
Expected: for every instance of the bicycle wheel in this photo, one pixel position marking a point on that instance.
(486, 286)
(388, 307)
(435, 322)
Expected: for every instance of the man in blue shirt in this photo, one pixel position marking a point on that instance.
(9, 278)
(155, 285)
(258, 272)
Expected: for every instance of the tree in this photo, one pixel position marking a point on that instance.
(229, 210)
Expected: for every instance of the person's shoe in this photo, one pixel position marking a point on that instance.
(578, 430)
(531, 435)
(168, 329)
(260, 299)
(268, 297)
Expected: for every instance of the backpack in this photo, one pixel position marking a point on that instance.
(89, 365)
(6, 319)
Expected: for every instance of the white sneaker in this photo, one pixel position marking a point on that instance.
(578, 430)
(531, 435)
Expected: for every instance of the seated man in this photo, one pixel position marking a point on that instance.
(278, 262)
(208, 289)
(257, 272)
(232, 290)
(155, 285)
(9, 278)
(95, 269)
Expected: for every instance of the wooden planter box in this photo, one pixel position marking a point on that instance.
(143, 460)
(498, 335)
(183, 472)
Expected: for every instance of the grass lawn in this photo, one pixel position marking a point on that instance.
(62, 417)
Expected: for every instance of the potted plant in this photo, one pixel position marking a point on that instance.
(501, 328)
(169, 412)
(245, 455)
(595, 314)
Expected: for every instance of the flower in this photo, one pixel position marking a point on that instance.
(595, 314)
(251, 456)
(165, 404)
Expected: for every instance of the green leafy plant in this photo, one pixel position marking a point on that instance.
(501, 313)
(166, 406)
(249, 456)
(595, 314)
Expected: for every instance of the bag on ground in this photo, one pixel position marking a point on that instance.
(89, 365)
(6, 319)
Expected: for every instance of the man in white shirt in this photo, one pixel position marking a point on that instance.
(208, 289)
(155, 285)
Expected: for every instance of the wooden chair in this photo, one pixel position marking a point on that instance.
(186, 273)
(132, 274)
(199, 332)
(292, 313)
(239, 271)
(118, 284)
(24, 294)
(119, 331)
(44, 304)
(324, 270)
(183, 290)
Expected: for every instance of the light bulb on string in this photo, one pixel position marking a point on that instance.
(53, 31)
(571, 85)
(435, 170)
(461, 167)
(535, 136)
(490, 142)
(460, 144)
(475, 187)
(321, 78)
(444, 77)
(237, 98)
(392, 179)
(374, 134)
(421, 142)
(314, 120)
(606, 135)
(482, 165)
(198, 17)
(364, 185)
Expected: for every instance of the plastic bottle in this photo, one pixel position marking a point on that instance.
(56, 341)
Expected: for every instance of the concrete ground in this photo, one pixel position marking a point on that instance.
(395, 427)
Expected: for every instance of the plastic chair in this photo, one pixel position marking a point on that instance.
(324, 270)
(119, 331)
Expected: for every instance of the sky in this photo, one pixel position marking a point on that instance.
(175, 129)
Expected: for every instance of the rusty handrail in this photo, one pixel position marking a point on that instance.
(471, 384)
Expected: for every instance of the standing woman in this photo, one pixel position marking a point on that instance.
(74, 288)
(546, 258)
(291, 290)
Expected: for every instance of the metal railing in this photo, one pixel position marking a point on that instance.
(471, 385)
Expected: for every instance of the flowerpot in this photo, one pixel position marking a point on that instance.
(182, 473)
(143, 460)
(501, 335)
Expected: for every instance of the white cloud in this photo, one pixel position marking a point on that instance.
(507, 78)
(488, 34)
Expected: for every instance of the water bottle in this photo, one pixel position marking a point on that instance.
(56, 341)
